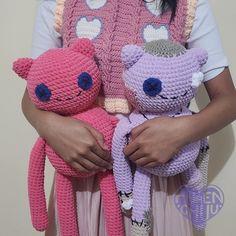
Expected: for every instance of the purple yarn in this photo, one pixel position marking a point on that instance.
(175, 75)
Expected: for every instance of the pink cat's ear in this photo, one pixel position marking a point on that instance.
(22, 67)
(84, 46)
(200, 54)
(130, 54)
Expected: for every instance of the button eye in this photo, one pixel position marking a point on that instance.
(152, 86)
(85, 81)
(43, 93)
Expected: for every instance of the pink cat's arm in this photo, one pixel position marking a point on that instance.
(36, 192)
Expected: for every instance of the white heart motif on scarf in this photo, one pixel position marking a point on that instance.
(95, 4)
(88, 29)
(151, 32)
(154, 7)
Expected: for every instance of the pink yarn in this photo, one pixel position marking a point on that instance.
(119, 22)
(67, 81)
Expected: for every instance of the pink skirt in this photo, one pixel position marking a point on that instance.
(167, 220)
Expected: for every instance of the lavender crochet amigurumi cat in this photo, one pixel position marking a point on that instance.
(160, 80)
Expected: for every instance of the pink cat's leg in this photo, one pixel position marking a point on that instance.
(66, 206)
(114, 220)
(36, 192)
(121, 166)
(141, 213)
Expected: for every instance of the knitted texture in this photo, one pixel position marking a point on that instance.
(191, 11)
(67, 81)
(164, 48)
(115, 23)
(58, 15)
(160, 82)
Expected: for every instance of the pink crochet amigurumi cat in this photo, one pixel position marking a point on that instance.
(67, 81)
(160, 80)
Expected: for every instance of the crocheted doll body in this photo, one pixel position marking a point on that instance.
(160, 80)
(67, 81)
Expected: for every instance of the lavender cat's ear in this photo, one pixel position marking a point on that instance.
(197, 79)
(84, 46)
(130, 54)
(200, 54)
(22, 67)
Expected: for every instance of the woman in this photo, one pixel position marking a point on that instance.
(111, 24)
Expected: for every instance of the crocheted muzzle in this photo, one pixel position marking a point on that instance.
(163, 76)
(75, 85)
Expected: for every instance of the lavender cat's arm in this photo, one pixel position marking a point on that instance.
(121, 165)
(141, 214)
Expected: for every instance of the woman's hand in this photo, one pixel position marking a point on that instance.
(79, 144)
(76, 142)
(157, 140)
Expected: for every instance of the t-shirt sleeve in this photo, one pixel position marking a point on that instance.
(205, 35)
(44, 34)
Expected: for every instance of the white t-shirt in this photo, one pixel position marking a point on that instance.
(204, 35)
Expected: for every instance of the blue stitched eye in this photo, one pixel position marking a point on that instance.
(152, 86)
(43, 93)
(85, 81)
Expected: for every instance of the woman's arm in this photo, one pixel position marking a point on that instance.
(31, 113)
(76, 142)
(218, 113)
(158, 140)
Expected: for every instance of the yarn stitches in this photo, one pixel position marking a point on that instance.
(67, 81)
(160, 80)
(133, 22)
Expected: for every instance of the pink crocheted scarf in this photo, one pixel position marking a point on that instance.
(111, 24)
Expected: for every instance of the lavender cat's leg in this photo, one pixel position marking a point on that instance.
(121, 166)
(141, 213)
(203, 159)
(199, 219)
(195, 190)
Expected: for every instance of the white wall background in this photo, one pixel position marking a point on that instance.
(17, 137)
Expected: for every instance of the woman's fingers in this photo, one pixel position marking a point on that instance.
(99, 147)
(101, 153)
(77, 142)
(96, 161)
(79, 167)
(89, 165)
(98, 136)
(93, 152)
(131, 148)
(142, 161)
(145, 162)
(136, 155)
(138, 130)
(151, 165)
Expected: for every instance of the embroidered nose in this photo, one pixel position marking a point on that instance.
(152, 86)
